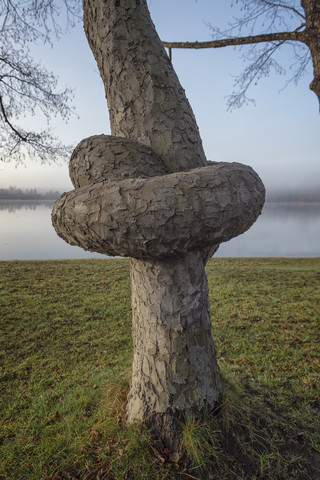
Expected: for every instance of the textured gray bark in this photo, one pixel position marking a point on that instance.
(145, 99)
(174, 363)
(161, 216)
(103, 157)
(148, 193)
(312, 39)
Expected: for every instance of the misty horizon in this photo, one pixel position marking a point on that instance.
(272, 194)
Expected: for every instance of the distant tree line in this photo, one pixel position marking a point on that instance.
(303, 196)
(14, 193)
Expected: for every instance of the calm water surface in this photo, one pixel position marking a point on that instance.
(283, 230)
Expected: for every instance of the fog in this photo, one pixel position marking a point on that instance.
(279, 135)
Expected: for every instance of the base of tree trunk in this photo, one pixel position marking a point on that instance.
(175, 371)
(167, 427)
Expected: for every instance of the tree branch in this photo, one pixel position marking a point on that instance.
(225, 42)
(288, 7)
(258, 68)
(21, 137)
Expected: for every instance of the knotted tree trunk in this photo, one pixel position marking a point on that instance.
(147, 192)
(174, 368)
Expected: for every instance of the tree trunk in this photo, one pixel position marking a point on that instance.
(169, 216)
(174, 366)
(145, 99)
(171, 324)
(312, 39)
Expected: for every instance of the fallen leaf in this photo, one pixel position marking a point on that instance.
(110, 392)
(174, 457)
(122, 418)
(94, 435)
(159, 456)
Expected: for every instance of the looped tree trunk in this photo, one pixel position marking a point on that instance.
(147, 192)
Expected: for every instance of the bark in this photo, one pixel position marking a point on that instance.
(103, 157)
(161, 216)
(312, 39)
(147, 192)
(145, 99)
(175, 369)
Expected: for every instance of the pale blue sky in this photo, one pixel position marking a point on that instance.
(279, 137)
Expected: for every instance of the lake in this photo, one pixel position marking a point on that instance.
(283, 230)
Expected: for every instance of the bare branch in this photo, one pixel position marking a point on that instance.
(26, 87)
(260, 67)
(268, 17)
(3, 111)
(287, 7)
(225, 42)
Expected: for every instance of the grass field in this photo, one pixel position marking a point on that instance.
(66, 359)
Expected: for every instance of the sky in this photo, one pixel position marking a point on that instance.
(279, 136)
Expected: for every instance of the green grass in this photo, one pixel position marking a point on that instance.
(65, 357)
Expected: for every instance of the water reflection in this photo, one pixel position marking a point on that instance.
(26, 233)
(13, 205)
(283, 230)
